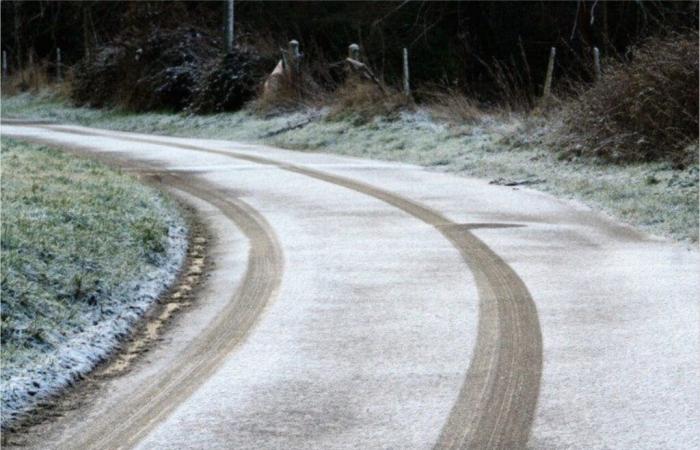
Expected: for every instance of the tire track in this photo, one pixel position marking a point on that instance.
(131, 420)
(497, 401)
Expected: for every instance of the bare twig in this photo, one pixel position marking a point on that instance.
(573, 30)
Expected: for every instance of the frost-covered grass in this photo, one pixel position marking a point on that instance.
(653, 196)
(85, 251)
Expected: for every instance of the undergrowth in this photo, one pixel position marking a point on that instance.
(643, 109)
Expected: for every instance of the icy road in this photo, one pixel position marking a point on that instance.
(363, 304)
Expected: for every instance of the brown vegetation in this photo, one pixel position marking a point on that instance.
(452, 105)
(364, 100)
(643, 109)
(31, 78)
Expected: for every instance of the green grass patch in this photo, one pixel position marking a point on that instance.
(73, 232)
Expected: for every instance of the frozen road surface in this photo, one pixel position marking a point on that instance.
(363, 304)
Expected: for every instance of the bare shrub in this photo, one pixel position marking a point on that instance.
(365, 100)
(97, 81)
(33, 78)
(452, 105)
(229, 82)
(287, 95)
(513, 87)
(643, 109)
(159, 70)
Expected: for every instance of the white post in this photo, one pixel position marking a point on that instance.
(550, 71)
(59, 76)
(294, 68)
(354, 52)
(4, 63)
(596, 64)
(406, 81)
(294, 54)
(229, 25)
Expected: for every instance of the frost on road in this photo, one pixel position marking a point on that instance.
(401, 308)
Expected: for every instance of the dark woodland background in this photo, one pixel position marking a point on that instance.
(460, 44)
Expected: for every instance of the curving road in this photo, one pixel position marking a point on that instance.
(362, 304)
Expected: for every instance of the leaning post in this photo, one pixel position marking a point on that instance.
(596, 64)
(550, 71)
(406, 81)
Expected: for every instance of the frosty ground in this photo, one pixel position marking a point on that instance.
(507, 149)
(86, 251)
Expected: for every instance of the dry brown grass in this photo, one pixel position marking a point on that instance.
(452, 105)
(32, 78)
(284, 96)
(364, 99)
(643, 109)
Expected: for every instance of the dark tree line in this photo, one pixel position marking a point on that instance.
(463, 44)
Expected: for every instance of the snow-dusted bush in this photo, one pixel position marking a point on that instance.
(158, 70)
(229, 82)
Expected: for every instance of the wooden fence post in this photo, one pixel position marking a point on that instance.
(550, 71)
(406, 81)
(596, 64)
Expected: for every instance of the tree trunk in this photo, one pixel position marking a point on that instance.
(19, 53)
(86, 31)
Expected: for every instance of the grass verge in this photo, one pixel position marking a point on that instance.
(85, 251)
(655, 196)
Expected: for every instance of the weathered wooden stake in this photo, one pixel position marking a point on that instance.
(354, 52)
(550, 71)
(4, 63)
(229, 25)
(596, 64)
(59, 76)
(406, 81)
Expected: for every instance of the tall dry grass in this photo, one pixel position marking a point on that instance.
(452, 105)
(364, 100)
(31, 78)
